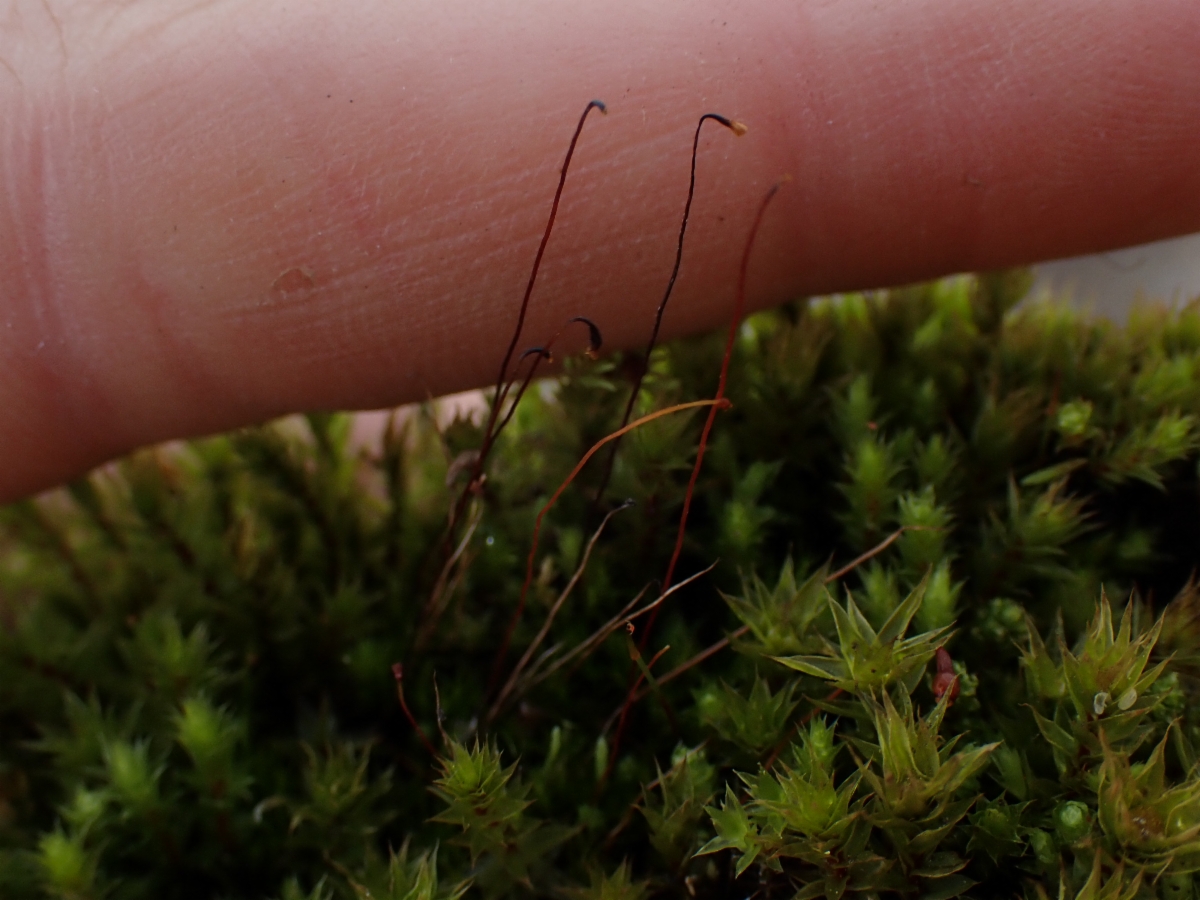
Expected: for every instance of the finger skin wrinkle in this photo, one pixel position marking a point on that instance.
(56, 394)
(124, 30)
(11, 70)
(56, 24)
(31, 38)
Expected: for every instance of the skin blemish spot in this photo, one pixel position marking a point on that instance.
(297, 278)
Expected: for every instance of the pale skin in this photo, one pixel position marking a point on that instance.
(212, 213)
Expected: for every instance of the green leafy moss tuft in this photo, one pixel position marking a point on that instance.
(935, 656)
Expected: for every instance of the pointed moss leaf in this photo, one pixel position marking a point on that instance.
(865, 662)
(946, 888)
(819, 666)
(1154, 824)
(897, 624)
(734, 831)
(1051, 474)
(755, 722)
(1147, 451)
(1012, 771)
(620, 885)
(784, 619)
(919, 778)
(1056, 736)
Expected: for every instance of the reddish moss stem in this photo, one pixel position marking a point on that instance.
(739, 310)
(537, 525)
(398, 674)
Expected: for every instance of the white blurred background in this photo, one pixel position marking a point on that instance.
(1110, 282)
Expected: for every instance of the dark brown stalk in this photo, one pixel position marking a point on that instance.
(735, 321)
(739, 308)
(635, 655)
(540, 355)
(546, 354)
(490, 431)
(738, 129)
(537, 525)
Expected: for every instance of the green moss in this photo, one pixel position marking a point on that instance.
(197, 697)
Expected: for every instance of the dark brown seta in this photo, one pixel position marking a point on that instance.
(739, 311)
(540, 355)
(502, 379)
(595, 339)
(738, 129)
(718, 402)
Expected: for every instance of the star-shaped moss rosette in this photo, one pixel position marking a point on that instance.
(1100, 693)
(489, 805)
(921, 788)
(1146, 818)
(785, 619)
(802, 820)
(864, 661)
